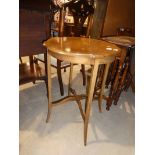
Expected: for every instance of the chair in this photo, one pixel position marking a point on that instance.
(80, 11)
(33, 30)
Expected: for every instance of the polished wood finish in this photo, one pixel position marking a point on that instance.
(71, 48)
(80, 50)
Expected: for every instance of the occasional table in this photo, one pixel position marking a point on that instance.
(78, 50)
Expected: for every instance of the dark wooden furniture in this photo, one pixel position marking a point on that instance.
(130, 78)
(120, 77)
(33, 30)
(78, 50)
(120, 31)
(80, 10)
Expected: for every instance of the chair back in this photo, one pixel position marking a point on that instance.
(81, 10)
(82, 13)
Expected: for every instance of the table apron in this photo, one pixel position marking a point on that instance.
(81, 59)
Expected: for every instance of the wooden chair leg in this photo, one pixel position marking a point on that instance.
(83, 74)
(70, 80)
(20, 60)
(127, 82)
(46, 84)
(31, 60)
(116, 82)
(60, 77)
(87, 88)
(113, 89)
(46, 81)
(103, 86)
(64, 69)
(120, 87)
(132, 86)
(109, 76)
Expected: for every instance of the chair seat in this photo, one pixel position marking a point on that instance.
(53, 60)
(28, 73)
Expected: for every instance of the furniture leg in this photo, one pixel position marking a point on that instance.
(31, 63)
(46, 82)
(121, 85)
(20, 60)
(31, 66)
(109, 76)
(103, 86)
(114, 70)
(49, 86)
(112, 90)
(65, 69)
(127, 81)
(87, 89)
(132, 86)
(89, 99)
(115, 84)
(60, 77)
(70, 79)
(83, 74)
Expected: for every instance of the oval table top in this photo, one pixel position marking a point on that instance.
(80, 47)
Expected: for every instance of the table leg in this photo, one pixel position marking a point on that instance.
(89, 99)
(70, 79)
(103, 86)
(49, 81)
